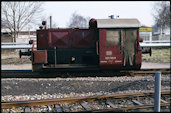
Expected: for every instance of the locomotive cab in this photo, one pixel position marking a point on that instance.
(119, 43)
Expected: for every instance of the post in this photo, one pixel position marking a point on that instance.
(157, 91)
(55, 54)
(50, 21)
(150, 37)
(29, 33)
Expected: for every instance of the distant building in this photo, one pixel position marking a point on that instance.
(161, 35)
(165, 35)
(23, 36)
(146, 33)
(6, 35)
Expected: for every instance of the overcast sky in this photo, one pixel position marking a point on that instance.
(61, 11)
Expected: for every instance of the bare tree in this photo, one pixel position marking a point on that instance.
(78, 21)
(18, 15)
(161, 14)
(3, 24)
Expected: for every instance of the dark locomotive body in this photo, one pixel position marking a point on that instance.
(107, 44)
(67, 47)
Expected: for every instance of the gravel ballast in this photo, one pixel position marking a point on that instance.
(29, 89)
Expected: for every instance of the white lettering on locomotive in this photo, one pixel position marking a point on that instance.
(118, 61)
(110, 58)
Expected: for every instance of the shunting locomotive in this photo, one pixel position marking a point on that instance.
(106, 44)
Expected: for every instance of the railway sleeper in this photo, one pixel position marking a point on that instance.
(27, 109)
(85, 106)
(57, 108)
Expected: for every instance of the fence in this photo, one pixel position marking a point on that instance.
(14, 45)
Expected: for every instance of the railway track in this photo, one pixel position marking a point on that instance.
(53, 74)
(98, 103)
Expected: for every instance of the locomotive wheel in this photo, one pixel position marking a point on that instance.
(36, 67)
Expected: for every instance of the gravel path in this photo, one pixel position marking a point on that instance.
(23, 89)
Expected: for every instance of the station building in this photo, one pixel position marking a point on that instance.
(146, 33)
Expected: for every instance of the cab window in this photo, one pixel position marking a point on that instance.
(112, 37)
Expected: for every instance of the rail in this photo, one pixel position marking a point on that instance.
(155, 44)
(81, 100)
(15, 45)
(157, 41)
(60, 73)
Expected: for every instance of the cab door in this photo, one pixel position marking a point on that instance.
(129, 46)
(110, 49)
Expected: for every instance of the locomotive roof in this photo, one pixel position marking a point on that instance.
(118, 23)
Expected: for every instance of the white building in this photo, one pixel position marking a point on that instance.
(24, 36)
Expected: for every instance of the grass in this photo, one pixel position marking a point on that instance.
(161, 55)
(12, 57)
(10, 54)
